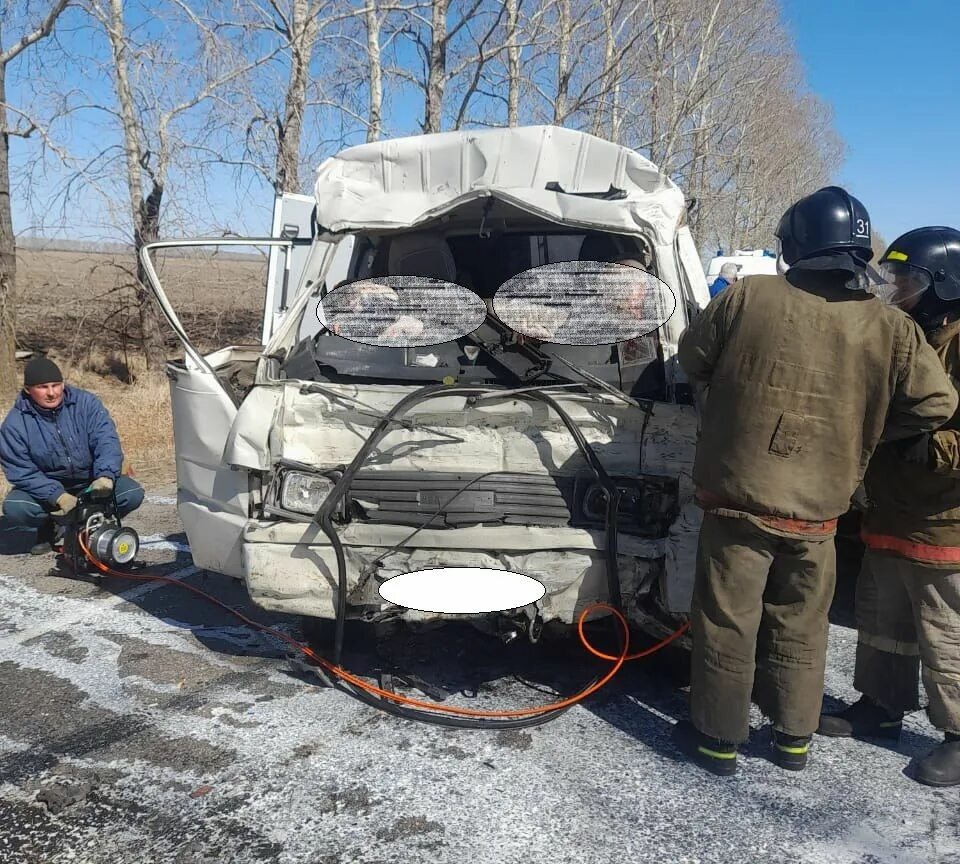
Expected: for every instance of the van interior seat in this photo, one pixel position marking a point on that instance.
(421, 254)
(599, 247)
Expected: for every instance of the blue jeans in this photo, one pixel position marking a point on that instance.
(27, 512)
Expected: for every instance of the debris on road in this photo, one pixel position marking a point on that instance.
(64, 793)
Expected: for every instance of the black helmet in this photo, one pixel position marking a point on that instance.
(919, 260)
(830, 219)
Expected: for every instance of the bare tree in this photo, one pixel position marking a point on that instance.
(23, 127)
(514, 54)
(580, 60)
(455, 42)
(309, 101)
(159, 87)
(374, 64)
(299, 26)
(713, 93)
(436, 66)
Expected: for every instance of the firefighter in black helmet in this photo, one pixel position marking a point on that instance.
(908, 593)
(827, 229)
(804, 373)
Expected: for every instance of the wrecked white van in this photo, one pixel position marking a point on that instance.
(315, 468)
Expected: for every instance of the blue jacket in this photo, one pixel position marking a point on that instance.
(41, 451)
(718, 285)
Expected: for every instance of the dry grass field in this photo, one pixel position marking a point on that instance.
(79, 308)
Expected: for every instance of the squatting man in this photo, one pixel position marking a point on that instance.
(56, 442)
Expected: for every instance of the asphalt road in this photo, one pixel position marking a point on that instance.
(138, 723)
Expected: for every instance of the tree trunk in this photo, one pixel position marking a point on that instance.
(563, 63)
(288, 135)
(291, 128)
(145, 212)
(375, 120)
(436, 68)
(610, 75)
(8, 261)
(615, 114)
(513, 65)
(147, 230)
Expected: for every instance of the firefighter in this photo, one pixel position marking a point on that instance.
(803, 374)
(908, 593)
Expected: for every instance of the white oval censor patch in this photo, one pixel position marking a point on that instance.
(462, 590)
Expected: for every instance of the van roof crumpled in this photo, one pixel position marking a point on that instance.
(559, 174)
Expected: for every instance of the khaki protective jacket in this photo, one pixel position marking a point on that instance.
(802, 384)
(914, 511)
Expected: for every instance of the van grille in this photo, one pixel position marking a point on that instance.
(648, 502)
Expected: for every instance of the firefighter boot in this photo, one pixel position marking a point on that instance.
(716, 756)
(941, 766)
(790, 751)
(864, 719)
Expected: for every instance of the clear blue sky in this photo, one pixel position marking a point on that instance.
(891, 70)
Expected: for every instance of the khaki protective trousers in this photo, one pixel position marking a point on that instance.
(759, 623)
(908, 618)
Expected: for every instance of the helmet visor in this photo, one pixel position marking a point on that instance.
(905, 283)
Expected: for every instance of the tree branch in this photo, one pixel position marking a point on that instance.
(41, 32)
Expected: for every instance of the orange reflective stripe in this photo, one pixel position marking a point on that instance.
(922, 552)
(709, 501)
(801, 526)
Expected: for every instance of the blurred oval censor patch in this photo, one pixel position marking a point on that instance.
(462, 590)
(585, 302)
(401, 311)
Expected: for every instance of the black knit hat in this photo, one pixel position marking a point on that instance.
(40, 370)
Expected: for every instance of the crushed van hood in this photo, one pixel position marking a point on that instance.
(509, 434)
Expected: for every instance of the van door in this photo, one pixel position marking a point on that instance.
(213, 499)
(285, 268)
(693, 279)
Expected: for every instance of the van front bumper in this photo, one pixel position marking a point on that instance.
(291, 567)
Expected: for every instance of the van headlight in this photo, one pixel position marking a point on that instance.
(304, 493)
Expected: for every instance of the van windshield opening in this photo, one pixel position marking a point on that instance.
(482, 264)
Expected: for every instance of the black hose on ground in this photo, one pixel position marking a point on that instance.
(455, 722)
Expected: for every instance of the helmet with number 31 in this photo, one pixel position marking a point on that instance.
(829, 220)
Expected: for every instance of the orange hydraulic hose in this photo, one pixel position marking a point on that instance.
(348, 676)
